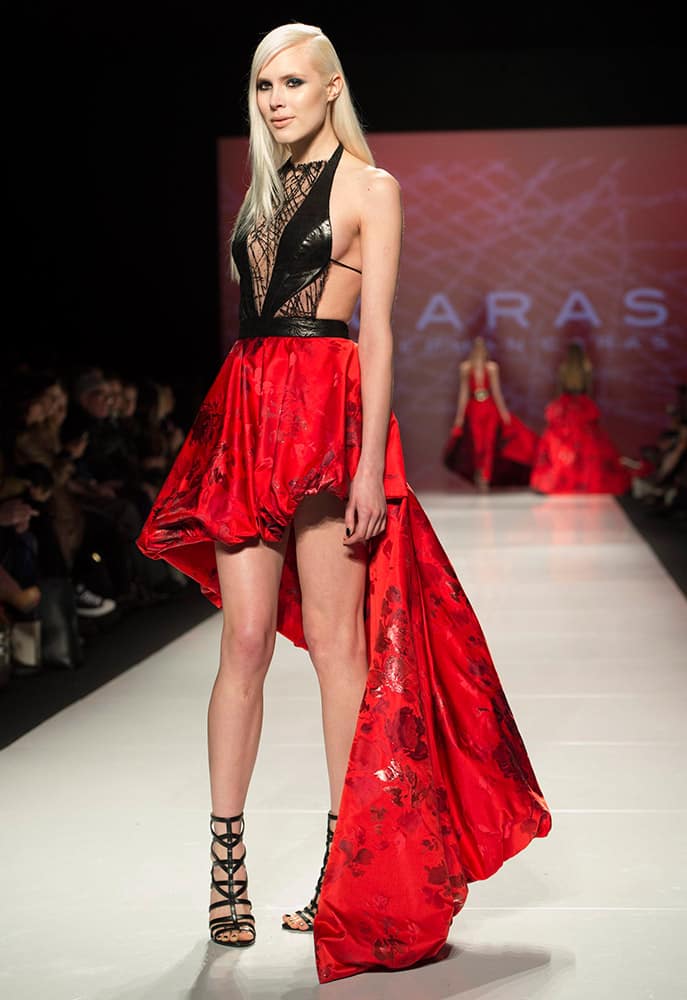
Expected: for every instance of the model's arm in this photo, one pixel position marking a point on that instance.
(495, 382)
(380, 242)
(463, 395)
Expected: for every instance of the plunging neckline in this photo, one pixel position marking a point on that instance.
(336, 156)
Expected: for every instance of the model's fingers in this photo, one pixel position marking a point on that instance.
(377, 523)
(371, 529)
(364, 522)
(349, 521)
(381, 525)
(359, 535)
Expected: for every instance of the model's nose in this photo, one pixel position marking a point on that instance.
(276, 99)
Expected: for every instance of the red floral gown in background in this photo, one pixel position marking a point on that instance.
(575, 454)
(500, 453)
(439, 790)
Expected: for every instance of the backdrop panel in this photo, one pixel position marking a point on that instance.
(528, 238)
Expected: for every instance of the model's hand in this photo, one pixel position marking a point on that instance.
(366, 509)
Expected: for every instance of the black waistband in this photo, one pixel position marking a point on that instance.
(293, 326)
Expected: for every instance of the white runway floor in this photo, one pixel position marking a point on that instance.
(105, 806)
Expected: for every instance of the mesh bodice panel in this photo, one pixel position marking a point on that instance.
(283, 263)
(263, 242)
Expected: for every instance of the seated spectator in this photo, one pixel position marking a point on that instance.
(38, 441)
(47, 557)
(157, 435)
(129, 399)
(660, 482)
(22, 599)
(15, 518)
(110, 457)
(109, 478)
(55, 545)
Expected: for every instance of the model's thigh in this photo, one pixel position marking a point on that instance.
(332, 575)
(249, 578)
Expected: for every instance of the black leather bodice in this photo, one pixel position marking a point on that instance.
(283, 264)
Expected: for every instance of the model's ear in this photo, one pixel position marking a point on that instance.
(334, 87)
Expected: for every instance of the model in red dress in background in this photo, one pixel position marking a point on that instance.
(487, 445)
(575, 454)
(293, 512)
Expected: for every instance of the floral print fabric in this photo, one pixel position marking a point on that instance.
(575, 455)
(439, 789)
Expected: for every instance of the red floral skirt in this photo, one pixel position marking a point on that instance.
(575, 455)
(439, 790)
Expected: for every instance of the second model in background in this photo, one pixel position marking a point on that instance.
(575, 454)
(487, 445)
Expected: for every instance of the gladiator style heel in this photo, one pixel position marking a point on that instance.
(230, 888)
(309, 912)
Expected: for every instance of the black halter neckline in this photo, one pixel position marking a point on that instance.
(290, 165)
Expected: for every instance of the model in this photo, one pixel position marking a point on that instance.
(294, 514)
(574, 453)
(487, 445)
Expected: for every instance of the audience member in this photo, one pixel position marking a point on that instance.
(659, 480)
(74, 489)
(157, 436)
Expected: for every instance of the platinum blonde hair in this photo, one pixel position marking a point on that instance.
(264, 195)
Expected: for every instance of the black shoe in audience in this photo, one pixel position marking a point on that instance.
(90, 605)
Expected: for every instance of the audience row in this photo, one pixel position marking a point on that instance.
(82, 457)
(659, 481)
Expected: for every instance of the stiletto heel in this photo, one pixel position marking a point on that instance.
(309, 912)
(230, 888)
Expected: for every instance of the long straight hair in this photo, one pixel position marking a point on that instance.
(575, 371)
(264, 195)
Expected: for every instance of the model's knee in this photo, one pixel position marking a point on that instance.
(247, 649)
(333, 643)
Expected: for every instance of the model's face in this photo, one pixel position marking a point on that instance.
(479, 350)
(292, 95)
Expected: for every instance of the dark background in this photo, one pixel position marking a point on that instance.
(113, 116)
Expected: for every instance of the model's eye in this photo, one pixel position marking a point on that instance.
(294, 81)
(263, 85)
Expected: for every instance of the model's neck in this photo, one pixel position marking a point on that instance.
(319, 147)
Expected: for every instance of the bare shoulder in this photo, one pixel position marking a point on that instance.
(465, 367)
(493, 367)
(373, 187)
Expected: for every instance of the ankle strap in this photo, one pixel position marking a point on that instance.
(332, 816)
(225, 819)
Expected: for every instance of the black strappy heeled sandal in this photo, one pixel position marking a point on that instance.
(308, 913)
(230, 888)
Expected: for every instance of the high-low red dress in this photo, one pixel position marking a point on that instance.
(439, 789)
(574, 453)
(501, 453)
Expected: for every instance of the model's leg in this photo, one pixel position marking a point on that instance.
(249, 584)
(485, 453)
(332, 579)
